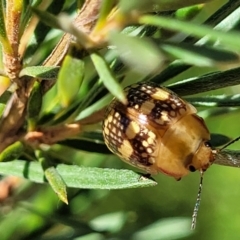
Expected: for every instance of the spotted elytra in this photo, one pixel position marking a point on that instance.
(157, 131)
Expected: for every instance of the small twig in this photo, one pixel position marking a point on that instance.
(54, 134)
(13, 15)
(85, 21)
(51, 135)
(12, 63)
(13, 118)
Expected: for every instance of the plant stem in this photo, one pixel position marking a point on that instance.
(85, 21)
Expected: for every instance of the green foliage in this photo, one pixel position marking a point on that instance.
(107, 77)
(41, 72)
(12, 152)
(77, 177)
(64, 71)
(149, 56)
(69, 80)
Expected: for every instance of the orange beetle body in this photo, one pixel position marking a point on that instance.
(157, 132)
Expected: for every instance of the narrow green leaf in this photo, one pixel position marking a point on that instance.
(199, 55)
(229, 39)
(93, 136)
(215, 101)
(53, 177)
(218, 140)
(2, 107)
(108, 78)
(140, 54)
(5, 82)
(216, 112)
(57, 183)
(229, 12)
(156, 5)
(100, 104)
(207, 82)
(12, 152)
(106, 7)
(42, 72)
(190, 57)
(79, 177)
(69, 79)
(171, 71)
(163, 228)
(187, 13)
(110, 222)
(39, 42)
(35, 101)
(3, 34)
(47, 18)
(5, 97)
(64, 23)
(92, 94)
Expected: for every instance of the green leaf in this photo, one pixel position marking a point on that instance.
(69, 79)
(57, 183)
(229, 39)
(54, 178)
(218, 140)
(93, 136)
(43, 39)
(5, 97)
(108, 78)
(231, 18)
(171, 71)
(216, 112)
(164, 229)
(3, 34)
(156, 5)
(100, 104)
(34, 105)
(106, 7)
(215, 101)
(79, 177)
(110, 222)
(207, 82)
(64, 23)
(140, 54)
(42, 72)
(89, 99)
(12, 152)
(187, 13)
(2, 107)
(199, 55)
(48, 18)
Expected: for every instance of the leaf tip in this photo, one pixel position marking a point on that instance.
(63, 198)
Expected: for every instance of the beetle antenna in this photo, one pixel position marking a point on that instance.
(197, 204)
(230, 143)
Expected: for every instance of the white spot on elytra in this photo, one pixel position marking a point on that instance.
(142, 119)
